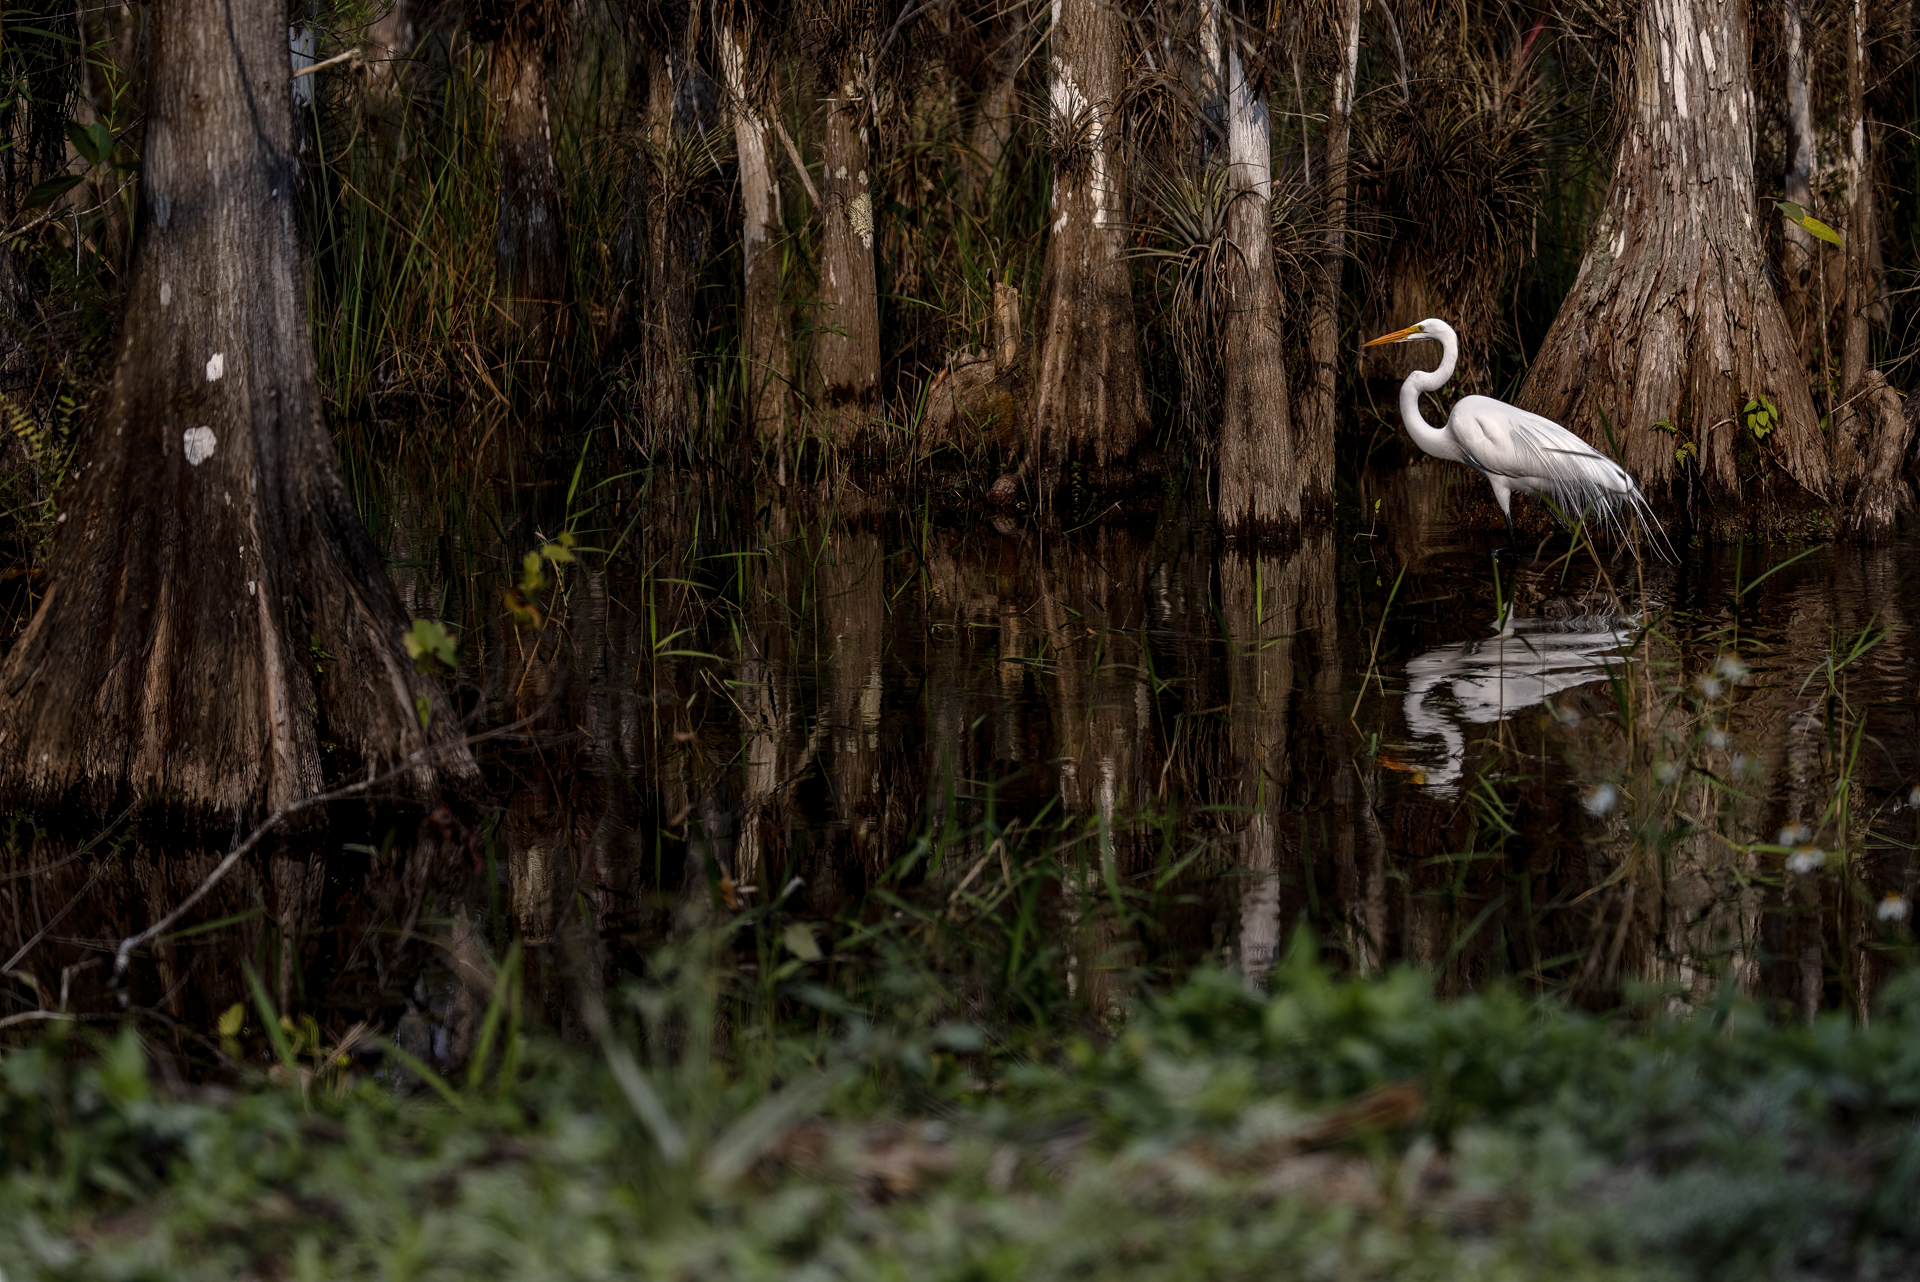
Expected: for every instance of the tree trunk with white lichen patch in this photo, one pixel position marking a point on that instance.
(846, 348)
(1671, 327)
(1090, 402)
(217, 634)
(1269, 479)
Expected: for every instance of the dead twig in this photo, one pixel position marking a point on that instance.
(123, 954)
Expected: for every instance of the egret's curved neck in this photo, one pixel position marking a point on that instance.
(1424, 434)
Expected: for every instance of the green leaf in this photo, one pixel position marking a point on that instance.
(1821, 230)
(557, 552)
(522, 611)
(429, 643)
(51, 190)
(1813, 226)
(423, 709)
(93, 142)
(231, 1020)
(531, 578)
(800, 942)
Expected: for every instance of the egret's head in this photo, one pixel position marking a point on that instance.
(1427, 329)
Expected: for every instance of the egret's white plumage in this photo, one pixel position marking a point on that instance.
(1520, 451)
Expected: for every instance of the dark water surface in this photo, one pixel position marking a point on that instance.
(1121, 751)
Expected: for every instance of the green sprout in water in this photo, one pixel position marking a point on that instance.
(431, 646)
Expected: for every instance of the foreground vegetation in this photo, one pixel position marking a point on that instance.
(1334, 1128)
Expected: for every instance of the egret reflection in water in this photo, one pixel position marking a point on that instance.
(1479, 682)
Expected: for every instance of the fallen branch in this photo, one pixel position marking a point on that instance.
(415, 759)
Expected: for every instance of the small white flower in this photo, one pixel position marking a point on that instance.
(1730, 667)
(1667, 772)
(1806, 859)
(1717, 740)
(1795, 834)
(1601, 801)
(1710, 687)
(1894, 907)
(1739, 763)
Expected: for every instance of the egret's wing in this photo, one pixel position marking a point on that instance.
(1540, 456)
(1505, 440)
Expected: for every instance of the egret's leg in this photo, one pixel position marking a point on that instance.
(1503, 495)
(1504, 498)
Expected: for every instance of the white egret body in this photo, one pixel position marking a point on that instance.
(1520, 451)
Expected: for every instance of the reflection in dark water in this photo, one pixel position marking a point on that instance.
(1202, 749)
(1480, 682)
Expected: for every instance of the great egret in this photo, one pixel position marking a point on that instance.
(1516, 450)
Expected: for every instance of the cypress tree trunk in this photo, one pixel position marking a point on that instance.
(680, 109)
(1089, 397)
(1801, 257)
(846, 350)
(997, 112)
(1872, 431)
(763, 346)
(1671, 318)
(1323, 321)
(530, 243)
(214, 612)
(1267, 482)
(1857, 340)
(385, 86)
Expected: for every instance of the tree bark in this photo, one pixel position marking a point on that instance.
(1090, 401)
(1801, 256)
(1267, 482)
(846, 350)
(530, 243)
(1856, 340)
(217, 634)
(1671, 326)
(679, 111)
(763, 323)
(1871, 432)
(997, 112)
(385, 85)
(1323, 321)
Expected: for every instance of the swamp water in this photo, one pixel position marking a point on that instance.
(1051, 768)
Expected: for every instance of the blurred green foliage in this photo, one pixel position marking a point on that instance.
(1332, 1128)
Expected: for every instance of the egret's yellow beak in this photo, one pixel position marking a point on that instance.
(1398, 336)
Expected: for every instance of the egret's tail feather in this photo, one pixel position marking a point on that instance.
(1618, 511)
